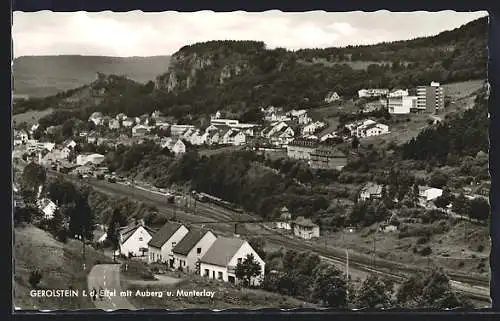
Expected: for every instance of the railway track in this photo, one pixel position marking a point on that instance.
(470, 286)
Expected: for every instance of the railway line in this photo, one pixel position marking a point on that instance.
(472, 287)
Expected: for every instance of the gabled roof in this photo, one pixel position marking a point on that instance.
(164, 234)
(128, 231)
(306, 222)
(222, 251)
(372, 188)
(189, 241)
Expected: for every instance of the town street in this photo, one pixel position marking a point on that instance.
(106, 277)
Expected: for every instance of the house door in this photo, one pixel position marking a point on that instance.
(171, 261)
(213, 274)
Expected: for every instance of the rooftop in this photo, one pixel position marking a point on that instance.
(164, 234)
(189, 241)
(222, 251)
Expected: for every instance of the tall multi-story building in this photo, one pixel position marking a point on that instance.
(430, 98)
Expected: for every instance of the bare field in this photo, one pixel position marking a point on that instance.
(30, 117)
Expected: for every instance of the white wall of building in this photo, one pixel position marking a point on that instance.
(165, 253)
(196, 253)
(135, 242)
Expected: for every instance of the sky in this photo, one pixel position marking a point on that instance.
(137, 33)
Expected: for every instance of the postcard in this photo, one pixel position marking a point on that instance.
(281, 160)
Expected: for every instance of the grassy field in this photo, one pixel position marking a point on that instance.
(30, 117)
(60, 265)
(462, 89)
(226, 295)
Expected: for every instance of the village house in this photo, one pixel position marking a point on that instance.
(188, 133)
(69, 143)
(236, 138)
(332, 97)
(282, 137)
(428, 194)
(121, 117)
(96, 118)
(114, 124)
(20, 137)
(301, 149)
(300, 116)
(226, 122)
(177, 130)
(47, 207)
(221, 260)
(156, 114)
(193, 246)
(178, 148)
(198, 138)
(134, 239)
(92, 138)
(367, 128)
(284, 220)
(401, 104)
(92, 158)
(164, 240)
(128, 122)
(326, 157)
(273, 114)
(328, 136)
(372, 92)
(213, 138)
(370, 191)
(313, 128)
(305, 228)
(398, 93)
(139, 130)
(161, 123)
(33, 128)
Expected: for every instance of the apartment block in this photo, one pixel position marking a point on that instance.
(430, 99)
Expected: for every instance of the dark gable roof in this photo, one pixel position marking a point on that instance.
(189, 241)
(127, 232)
(164, 234)
(222, 251)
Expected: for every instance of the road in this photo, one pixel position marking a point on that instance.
(471, 286)
(106, 278)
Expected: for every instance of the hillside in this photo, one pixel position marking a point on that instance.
(238, 76)
(59, 263)
(39, 76)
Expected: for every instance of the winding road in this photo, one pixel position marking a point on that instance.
(105, 278)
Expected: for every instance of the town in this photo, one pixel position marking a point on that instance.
(252, 177)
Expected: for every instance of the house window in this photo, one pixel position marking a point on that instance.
(220, 276)
(173, 244)
(198, 250)
(207, 272)
(239, 260)
(140, 238)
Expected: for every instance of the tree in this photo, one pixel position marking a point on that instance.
(355, 142)
(438, 180)
(329, 287)
(258, 244)
(248, 269)
(35, 278)
(375, 293)
(430, 289)
(461, 205)
(479, 209)
(445, 199)
(81, 219)
(32, 178)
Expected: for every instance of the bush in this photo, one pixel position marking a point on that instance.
(480, 248)
(35, 278)
(423, 240)
(426, 251)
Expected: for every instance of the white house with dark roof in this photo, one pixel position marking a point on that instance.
(134, 239)
(221, 259)
(189, 251)
(305, 228)
(162, 243)
(370, 191)
(285, 219)
(47, 207)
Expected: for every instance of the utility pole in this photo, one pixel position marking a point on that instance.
(347, 273)
(374, 248)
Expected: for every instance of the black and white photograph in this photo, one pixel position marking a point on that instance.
(217, 160)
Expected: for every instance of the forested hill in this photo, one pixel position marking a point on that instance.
(238, 76)
(39, 76)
